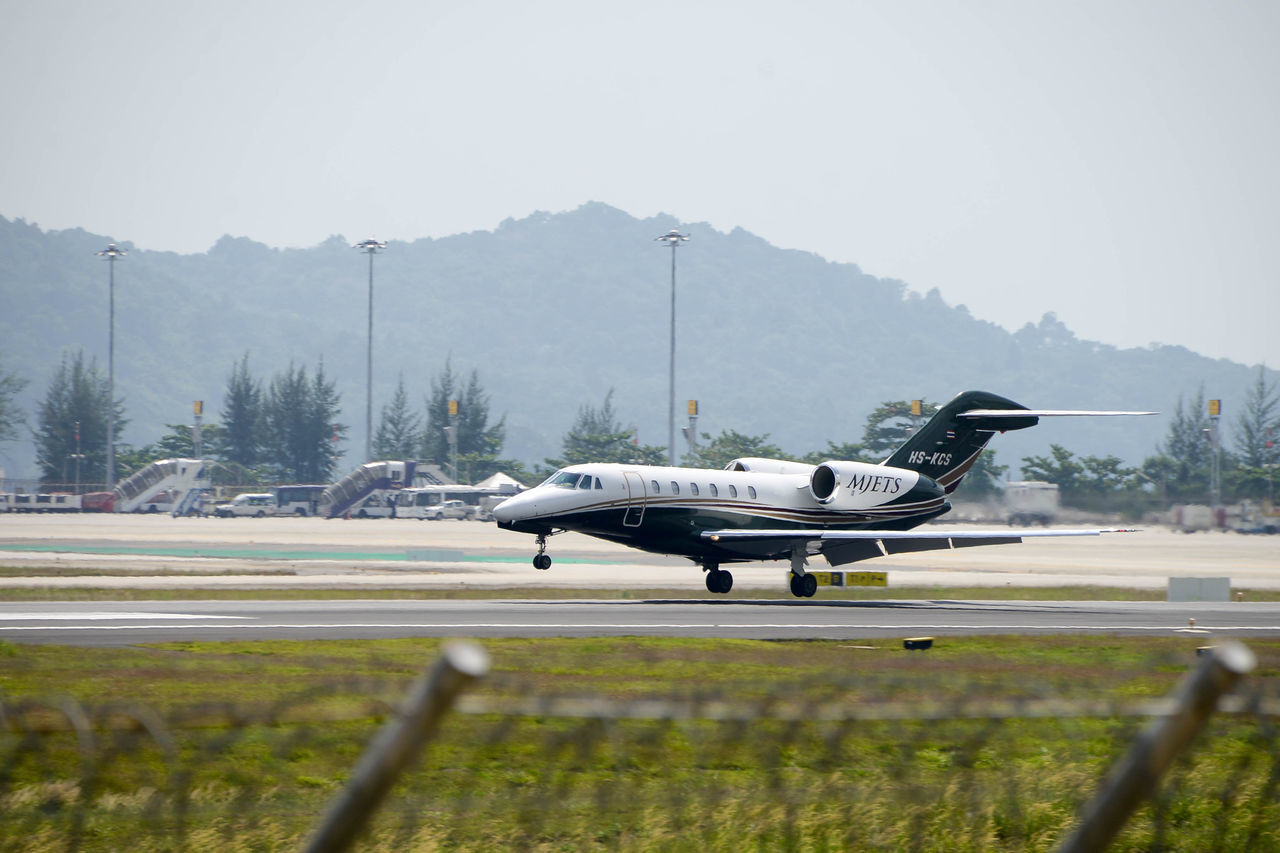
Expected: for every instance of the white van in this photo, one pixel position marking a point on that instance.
(257, 505)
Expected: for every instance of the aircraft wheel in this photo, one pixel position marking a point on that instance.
(808, 585)
(542, 562)
(726, 581)
(719, 581)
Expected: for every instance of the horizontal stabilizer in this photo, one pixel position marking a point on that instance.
(1041, 413)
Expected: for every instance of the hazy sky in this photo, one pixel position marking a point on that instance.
(1115, 162)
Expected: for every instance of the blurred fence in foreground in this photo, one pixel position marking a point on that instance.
(516, 771)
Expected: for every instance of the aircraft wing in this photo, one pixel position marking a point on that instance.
(849, 546)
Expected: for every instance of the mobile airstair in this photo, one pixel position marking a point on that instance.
(167, 485)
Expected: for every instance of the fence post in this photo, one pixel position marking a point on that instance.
(397, 744)
(1135, 777)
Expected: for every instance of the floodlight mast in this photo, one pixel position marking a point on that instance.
(672, 238)
(372, 247)
(112, 253)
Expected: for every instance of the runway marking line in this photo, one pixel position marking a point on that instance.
(625, 627)
(32, 616)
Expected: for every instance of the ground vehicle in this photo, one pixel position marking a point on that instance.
(256, 504)
(380, 504)
(434, 502)
(298, 499)
(1031, 502)
(452, 509)
(56, 502)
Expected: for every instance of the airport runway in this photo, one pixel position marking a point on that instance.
(126, 623)
(98, 551)
(112, 551)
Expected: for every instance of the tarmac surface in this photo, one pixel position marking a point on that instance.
(52, 552)
(114, 623)
(95, 550)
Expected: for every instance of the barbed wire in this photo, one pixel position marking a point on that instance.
(519, 770)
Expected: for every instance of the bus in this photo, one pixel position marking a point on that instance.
(298, 499)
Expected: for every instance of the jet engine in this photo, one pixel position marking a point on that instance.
(858, 485)
(824, 482)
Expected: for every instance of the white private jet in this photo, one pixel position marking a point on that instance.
(768, 509)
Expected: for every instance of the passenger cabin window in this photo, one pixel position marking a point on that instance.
(751, 490)
(733, 491)
(675, 487)
(693, 489)
(657, 490)
(715, 493)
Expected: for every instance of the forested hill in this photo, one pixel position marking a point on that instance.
(553, 311)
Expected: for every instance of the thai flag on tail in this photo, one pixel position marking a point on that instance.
(951, 433)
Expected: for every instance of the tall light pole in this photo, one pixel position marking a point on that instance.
(372, 247)
(112, 254)
(672, 238)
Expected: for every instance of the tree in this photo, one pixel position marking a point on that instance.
(1257, 431)
(302, 432)
(399, 429)
(10, 416)
(1091, 482)
(1180, 468)
(179, 442)
(478, 444)
(76, 404)
(1061, 469)
(242, 415)
(597, 436)
(847, 452)
(729, 445)
(985, 476)
(891, 424)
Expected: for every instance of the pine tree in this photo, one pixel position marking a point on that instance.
(301, 428)
(242, 417)
(399, 430)
(1257, 440)
(78, 399)
(10, 416)
(478, 444)
(598, 436)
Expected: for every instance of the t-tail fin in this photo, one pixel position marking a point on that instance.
(946, 447)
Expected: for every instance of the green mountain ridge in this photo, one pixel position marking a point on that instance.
(553, 310)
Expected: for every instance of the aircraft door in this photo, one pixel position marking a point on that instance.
(635, 499)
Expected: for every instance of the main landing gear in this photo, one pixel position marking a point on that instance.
(718, 580)
(541, 560)
(803, 586)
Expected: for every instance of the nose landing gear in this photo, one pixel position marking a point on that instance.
(541, 560)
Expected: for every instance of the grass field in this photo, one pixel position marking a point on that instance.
(244, 744)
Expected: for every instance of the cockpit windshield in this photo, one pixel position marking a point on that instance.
(564, 480)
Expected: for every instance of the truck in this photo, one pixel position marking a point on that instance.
(1030, 502)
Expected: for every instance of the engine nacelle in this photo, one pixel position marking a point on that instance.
(858, 485)
(768, 466)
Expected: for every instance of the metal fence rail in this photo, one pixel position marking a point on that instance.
(514, 770)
